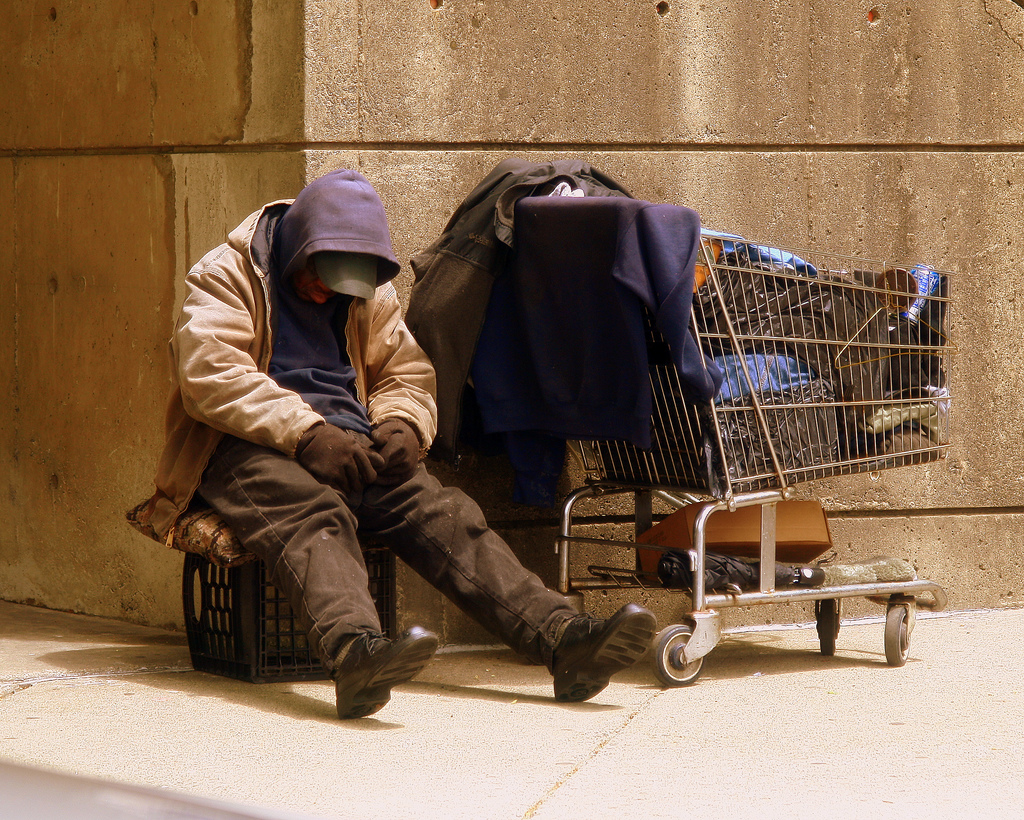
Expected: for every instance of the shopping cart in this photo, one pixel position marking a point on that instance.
(833, 366)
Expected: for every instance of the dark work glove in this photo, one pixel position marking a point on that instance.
(399, 446)
(343, 459)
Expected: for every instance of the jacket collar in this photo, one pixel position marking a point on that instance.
(255, 236)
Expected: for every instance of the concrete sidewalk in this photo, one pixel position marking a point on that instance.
(771, 729)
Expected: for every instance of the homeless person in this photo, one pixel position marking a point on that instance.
(302, 410)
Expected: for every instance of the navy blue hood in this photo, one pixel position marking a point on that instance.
(340, 211)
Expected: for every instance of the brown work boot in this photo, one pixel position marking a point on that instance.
(372, 665)
(591, 651)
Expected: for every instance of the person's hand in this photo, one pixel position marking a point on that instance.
(399, 446)
(343, 459)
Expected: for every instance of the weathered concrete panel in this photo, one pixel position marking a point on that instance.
(276, 88)
(215, 192)
(334, 93)
(116, 74)
(93, 242)
(917, 72)
(11, 476)
(757, 73)
(97, 248)
(975, 557)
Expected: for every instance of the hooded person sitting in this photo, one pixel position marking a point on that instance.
(303, 407)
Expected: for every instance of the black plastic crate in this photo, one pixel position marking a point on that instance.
(239, 625)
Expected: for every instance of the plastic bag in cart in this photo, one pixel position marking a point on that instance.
(801, 427)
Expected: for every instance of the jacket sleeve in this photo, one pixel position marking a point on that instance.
(214, 353)
(400, 380)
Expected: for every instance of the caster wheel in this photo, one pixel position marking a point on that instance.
(897, 636)
(671, 665)
(826, 616)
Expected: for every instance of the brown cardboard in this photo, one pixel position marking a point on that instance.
(801, 533)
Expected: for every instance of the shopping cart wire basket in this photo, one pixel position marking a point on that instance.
(832, 366)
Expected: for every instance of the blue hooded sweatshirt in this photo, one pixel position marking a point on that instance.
(340, 211)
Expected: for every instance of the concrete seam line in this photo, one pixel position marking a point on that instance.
(593, 754)
(475, 146)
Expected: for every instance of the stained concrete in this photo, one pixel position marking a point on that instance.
(768, 73)
(101, 74)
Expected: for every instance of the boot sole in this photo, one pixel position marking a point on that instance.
(627, 637)
(371, 691)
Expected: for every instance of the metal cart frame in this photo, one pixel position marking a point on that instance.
(676, 469)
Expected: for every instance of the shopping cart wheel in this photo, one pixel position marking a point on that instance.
(826, 616)
(897, 635)
(670, 663)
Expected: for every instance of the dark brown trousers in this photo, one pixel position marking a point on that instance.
(308, 536)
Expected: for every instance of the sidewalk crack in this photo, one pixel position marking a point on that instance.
(614, 733)
(10, 688)
(1013, 36)
(13, 687)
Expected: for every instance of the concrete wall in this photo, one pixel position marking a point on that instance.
(139, 135)
(135, 133)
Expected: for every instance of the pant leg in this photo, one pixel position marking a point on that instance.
(304, 532)
(441, 533)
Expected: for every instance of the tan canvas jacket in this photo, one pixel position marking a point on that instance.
(220, 354)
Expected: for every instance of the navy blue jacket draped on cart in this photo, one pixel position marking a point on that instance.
(562, 353)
